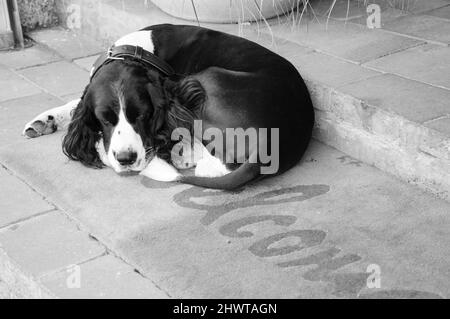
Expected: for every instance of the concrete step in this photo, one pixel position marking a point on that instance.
(379, 95)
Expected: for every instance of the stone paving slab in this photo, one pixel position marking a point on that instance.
(70, 45)
(442, 125)
(422, 26)
(187, 240)
(443, 13)
(22, 284)
(330, 71)
(18, 201)
(348, 41)
(401, 96)
(35, 55)
(419, 6)
(428, 63)
(72, 96)
(14, 114)
(280, 46)
(86, 63)
(47, 243)
(5, 292)
(13, 86)
(59, 78)
(104, 277)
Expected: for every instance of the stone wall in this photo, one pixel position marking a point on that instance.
(37, 14)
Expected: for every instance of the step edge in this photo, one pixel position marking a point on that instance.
(20, 283)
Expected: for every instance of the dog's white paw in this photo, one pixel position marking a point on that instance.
(41, 125)
(190, 154)
(159, 170)
(184, 161)
(51, 120)
(210, 167)
(100, 147)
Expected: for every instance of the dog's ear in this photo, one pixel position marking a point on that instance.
(169, 102)
(159, 101)
(186, 96)
(175, 100)
(82, 135)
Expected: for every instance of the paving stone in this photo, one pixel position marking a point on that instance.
(86, 63)
(17, 200)
(47, 243)
(441, 125)
(443, 13)
(348, 41)
(72, 96)
(5, 292)
(69, 44)
(329, 70)
(17, 112)
(418, 6)
(35, 55)
(59, 78)
(404, 97)
(426, 63)
(283, 47)
(422, 26)
(104, 277)
(13, 86)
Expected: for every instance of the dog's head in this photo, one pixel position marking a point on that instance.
(128, 108)
(123, 108)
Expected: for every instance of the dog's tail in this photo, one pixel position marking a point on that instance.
(246, 173)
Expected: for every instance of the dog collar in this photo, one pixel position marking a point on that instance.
(133, 52)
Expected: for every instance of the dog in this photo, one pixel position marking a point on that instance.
(167, 77)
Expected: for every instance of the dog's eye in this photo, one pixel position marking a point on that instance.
(106, 122)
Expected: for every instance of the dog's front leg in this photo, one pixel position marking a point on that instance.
(49, 121)
(100, 147)
(159, 170)
(206, 165)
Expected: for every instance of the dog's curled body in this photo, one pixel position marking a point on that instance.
(224, 81)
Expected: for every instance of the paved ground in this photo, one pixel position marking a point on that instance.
(4, 291)
(316, 231)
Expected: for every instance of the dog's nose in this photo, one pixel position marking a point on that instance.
(126, 158)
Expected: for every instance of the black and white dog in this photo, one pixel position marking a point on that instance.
(166, 77)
